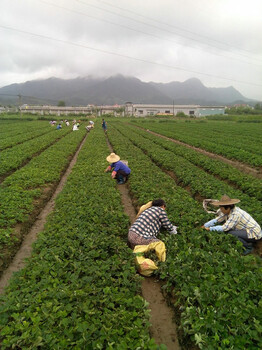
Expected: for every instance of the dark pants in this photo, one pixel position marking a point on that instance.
(121, 175)
(242, 237)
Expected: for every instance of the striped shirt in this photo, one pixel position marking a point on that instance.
(148, 224)
(238, 219)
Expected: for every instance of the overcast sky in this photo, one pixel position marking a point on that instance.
(217, 41)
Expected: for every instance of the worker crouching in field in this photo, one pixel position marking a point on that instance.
(150, 219)
(235, 221)
(90, 126)
(120, 171)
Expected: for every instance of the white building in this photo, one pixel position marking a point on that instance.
(56, 110)
(46, 110)
(143, 110)
(115, 110)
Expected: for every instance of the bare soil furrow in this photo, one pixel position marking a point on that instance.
(25, 250)
(163, 328)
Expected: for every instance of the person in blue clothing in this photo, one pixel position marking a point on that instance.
(120, 171)
(104, 126)
(59, 126)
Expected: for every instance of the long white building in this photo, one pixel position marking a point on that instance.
(130, 109)
(143, 110)
(50, 110)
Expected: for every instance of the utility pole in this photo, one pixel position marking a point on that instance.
(173, 109)
(20, 104)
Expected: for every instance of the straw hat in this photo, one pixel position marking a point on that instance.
(112, 158)
(225, 200)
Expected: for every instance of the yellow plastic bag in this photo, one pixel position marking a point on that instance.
(143, 208)
(147, 266)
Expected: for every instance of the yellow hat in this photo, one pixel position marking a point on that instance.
(112, 158)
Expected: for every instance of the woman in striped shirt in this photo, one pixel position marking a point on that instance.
(147, 226)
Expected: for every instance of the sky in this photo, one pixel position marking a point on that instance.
(216, 41)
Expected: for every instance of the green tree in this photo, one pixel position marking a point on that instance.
(181, 115)
(61, 104)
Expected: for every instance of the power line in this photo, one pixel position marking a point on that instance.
(9, 95)
(150, 25)
(31, 97)
(124, 56)
(176, 27)
(140, 31)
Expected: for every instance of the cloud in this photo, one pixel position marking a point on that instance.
(218, 42)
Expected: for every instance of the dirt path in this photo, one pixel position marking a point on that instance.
(26, 247)
(240, 166)
(163, 329)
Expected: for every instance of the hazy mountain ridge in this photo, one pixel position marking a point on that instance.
(117, 90)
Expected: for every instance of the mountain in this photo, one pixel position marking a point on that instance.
(116, 90)
(192, 91)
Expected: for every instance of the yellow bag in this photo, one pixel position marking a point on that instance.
(147, 266)
(143, 208)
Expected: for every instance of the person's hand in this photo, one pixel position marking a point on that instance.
(174, 230)
(206, 228)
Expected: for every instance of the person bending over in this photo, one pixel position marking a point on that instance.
(120, 171)
(235, 221)
(147, 226)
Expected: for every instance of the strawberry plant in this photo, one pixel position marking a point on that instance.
(230, 139)
(80, 289)
(19, 191)
(215, 291)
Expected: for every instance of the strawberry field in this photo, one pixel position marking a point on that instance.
(80, 288)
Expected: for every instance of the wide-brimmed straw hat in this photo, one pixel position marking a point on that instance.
(225, 200)
(112, 158)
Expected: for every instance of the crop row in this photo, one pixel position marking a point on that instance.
(13, 158)
(20, 191)
(234, 150)
(247, 183)
(246, 136)
(79, 289)
(200, 182)
(27, 132)
(11, 127)
(214, 289)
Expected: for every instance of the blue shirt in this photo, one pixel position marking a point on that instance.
(120, 166)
